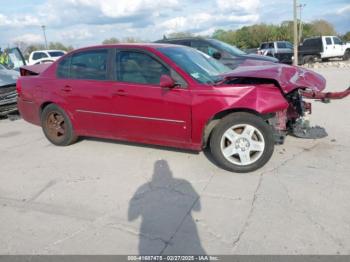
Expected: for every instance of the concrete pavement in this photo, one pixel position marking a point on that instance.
(105, 197)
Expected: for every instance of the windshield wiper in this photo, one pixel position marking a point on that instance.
(220, 81)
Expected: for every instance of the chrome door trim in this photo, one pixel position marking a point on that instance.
(132, 116)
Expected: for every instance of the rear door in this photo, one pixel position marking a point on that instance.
(84, 85)
(143, 110)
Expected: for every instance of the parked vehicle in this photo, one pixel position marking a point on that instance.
(323, 48)
(172, 96)
(12, 58)
(10, 61)
(45, 56)
(229, 55)
(8, 94)
(282, 50)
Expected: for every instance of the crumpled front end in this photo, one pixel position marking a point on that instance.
(296, 84)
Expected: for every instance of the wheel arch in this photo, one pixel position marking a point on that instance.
(212, 122)
(42, 107)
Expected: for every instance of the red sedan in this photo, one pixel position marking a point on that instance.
(168, 95)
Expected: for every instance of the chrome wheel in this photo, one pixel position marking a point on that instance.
(242, 144)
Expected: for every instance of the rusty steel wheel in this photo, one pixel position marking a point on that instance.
(57, 126)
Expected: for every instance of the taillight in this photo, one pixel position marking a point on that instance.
(19, 87)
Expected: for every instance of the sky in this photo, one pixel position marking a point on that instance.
(86, 22)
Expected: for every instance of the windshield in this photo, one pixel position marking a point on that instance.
(200, 66)
(226, 47)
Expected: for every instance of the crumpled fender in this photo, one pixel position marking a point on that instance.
(288, 77)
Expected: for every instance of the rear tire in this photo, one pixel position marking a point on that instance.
(242, 142)
(346, 56)
(57, 126)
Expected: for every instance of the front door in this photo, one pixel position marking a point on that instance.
(338, 47)
(143, 110)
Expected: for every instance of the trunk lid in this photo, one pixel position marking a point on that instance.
(34, 69)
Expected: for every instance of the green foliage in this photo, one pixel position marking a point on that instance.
(253, 36)
(114, 40)
(60, 46)
(180, 34)
(111, 40)
(346, 37)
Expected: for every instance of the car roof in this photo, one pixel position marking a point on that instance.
(182, 38)
(129, 45)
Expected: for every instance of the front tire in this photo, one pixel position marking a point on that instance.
(57, 126)
(242, 142)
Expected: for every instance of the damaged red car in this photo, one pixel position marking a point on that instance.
(171, 96)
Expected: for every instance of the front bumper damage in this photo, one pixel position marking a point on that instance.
(325, 97)
(8, 100)
(295, 121)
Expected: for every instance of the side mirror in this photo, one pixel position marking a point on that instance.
(217, 55)
(166, 82)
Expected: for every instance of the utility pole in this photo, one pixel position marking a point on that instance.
(300, 6)
(44, 27)
(295, 62)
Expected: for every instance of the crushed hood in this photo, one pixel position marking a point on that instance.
(288, 77)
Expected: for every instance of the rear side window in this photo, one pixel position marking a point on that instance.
(138, 67)
(281, 45)
(90, 65)
(39, 55)
(263, 46)
(63, 68)
(289, 45)
(328, 41)
(56, 54)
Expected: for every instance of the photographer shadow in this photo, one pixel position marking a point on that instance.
(165, 204)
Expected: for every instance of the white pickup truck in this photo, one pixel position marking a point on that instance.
(323, 48)
(45, 56)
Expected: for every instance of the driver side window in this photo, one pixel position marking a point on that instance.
(138, 67)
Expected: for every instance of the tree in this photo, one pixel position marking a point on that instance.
(131, 40)
(322, 27)
(252, 36)
(60, 46)
(111, 40)
(346, 37)
(180, 34)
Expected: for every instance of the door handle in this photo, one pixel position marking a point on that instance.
(119, 92)
(66, 88)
